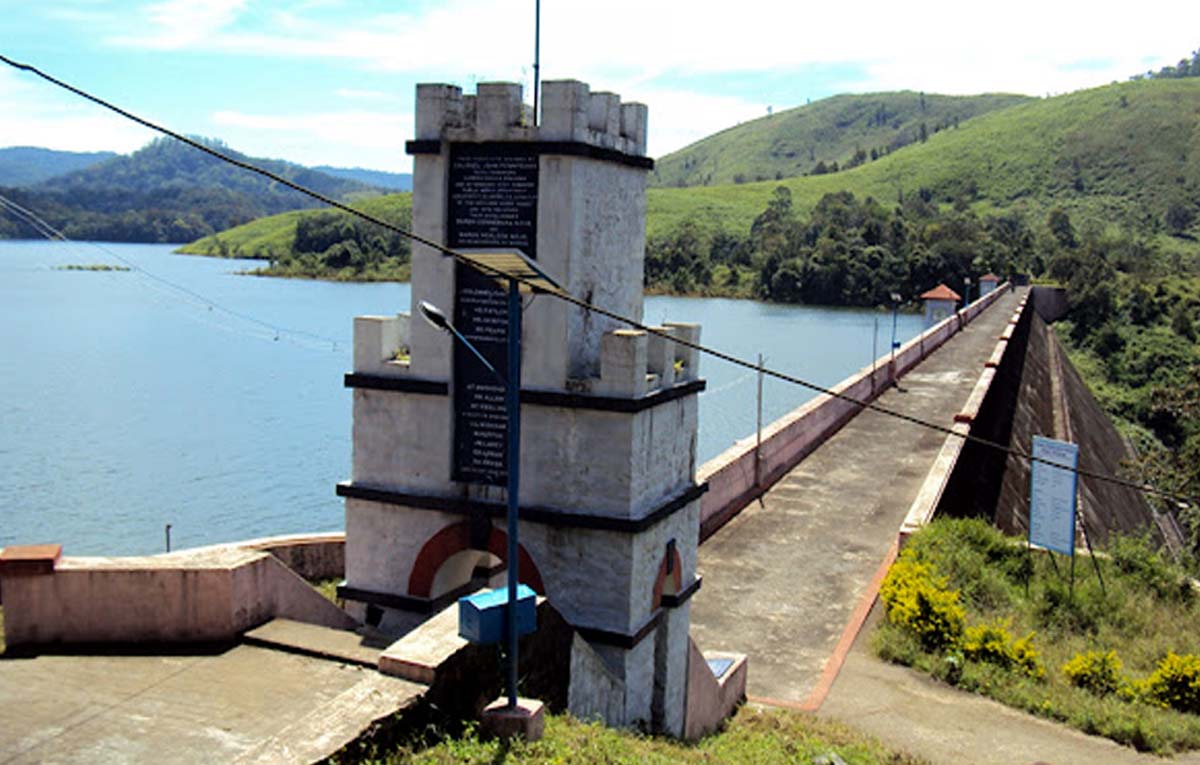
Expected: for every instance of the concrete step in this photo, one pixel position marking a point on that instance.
(317, 641)
(417, 655)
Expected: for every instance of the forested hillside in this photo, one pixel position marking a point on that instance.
(833, 134)
(167, 192)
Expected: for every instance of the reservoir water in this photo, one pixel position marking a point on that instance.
(182, 393)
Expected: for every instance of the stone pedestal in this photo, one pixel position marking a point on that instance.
(526, 720)
(609, 504)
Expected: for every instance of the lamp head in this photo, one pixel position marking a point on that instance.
(434, 316)
(896, 297)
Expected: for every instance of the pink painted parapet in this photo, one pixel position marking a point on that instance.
(194, 596)
(730, 475)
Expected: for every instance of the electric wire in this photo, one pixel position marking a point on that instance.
(580, 303)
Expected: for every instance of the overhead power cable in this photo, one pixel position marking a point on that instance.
(566, 296)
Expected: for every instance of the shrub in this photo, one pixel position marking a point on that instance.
(918, 599)
(992, 643)
(1095, 671)
(1175, 684)
(1136, 556)
(1027, 657)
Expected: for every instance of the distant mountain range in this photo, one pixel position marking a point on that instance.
(27, 165)
(380, 178)
(164, 192)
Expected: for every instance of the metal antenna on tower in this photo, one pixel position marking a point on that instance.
(537, 56)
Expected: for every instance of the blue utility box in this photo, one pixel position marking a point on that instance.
(481, 616)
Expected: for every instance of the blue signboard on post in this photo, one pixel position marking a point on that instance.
(1052, 495)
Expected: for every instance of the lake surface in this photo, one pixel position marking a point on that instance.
(181, 392)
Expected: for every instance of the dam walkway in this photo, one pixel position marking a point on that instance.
(789, 580)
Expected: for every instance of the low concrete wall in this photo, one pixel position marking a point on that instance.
(312, 556)
(731, 475)
(712, 701)
(998, 366)
(1049, 302)
(194, 597)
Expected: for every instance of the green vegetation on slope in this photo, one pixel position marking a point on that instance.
(751, 738)
(325, 244)
(839, 132)
(1121, 153)
(975, 609)
(847, 252)
(1132, 330)
(166, 192)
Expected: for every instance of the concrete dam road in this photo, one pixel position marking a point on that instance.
(783, 578)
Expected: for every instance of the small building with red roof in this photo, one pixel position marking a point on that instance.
(988, 283)
(940, 302)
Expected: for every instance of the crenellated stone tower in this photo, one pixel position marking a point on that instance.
(609, 501)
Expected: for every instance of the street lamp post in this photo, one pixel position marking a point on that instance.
(895, 343)
(512, 400)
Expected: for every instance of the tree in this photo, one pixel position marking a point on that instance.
(1179, 217)
(1059, 224)
(774, 230)
(1181, 322)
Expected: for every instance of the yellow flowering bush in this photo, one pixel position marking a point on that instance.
(1095, 671)
(919, 600)
(993, 644)
(1175, 684)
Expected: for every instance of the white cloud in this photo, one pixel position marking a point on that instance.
(37, 117)
(678, 118)
(356, 138)
(1022, 45)
(374, 96)
(181, 24)
(670, 54)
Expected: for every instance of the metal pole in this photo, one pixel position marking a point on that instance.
(874, 351)
(537, 56)
(512, 397)
(168, 533)
(758, 429)
(895, 316)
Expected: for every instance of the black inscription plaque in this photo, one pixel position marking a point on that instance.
(492, 203)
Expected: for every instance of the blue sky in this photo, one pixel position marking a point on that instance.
(332, 81)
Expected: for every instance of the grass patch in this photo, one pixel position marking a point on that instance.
(328, 589)
(90, 267)
(752, 736)
(1147, 610)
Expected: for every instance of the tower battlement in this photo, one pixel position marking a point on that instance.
(497, 112)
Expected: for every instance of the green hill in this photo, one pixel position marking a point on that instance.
(842, 131)
(167, 192)
(273, 236)
(1126, 155)
(1120, 153)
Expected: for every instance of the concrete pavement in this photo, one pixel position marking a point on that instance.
(246, 704)
(782, 580)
